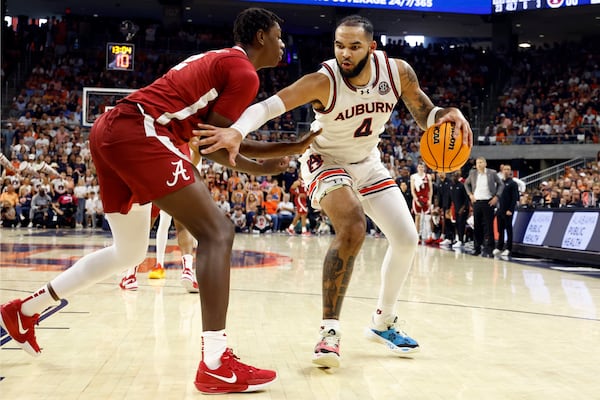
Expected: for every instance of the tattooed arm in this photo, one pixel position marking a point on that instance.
(419, 104)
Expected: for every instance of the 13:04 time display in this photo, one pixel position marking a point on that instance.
(120, 56)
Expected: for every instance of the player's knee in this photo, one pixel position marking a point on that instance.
(214, 233)
(410, 239)
(352, 232)
(131, 255)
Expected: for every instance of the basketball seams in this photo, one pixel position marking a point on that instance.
(430, 147)
(445, 136)
(434, 155)
(456, 154)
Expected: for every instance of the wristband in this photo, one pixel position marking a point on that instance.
(431, 116)
(258, 114)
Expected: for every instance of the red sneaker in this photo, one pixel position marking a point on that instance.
(19, 326)
(232, 376)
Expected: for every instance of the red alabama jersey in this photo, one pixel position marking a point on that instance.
(221, 81)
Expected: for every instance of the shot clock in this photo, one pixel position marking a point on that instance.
(120, 56)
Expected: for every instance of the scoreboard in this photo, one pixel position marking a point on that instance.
(120, 56)
(481, 7)
(500, 6)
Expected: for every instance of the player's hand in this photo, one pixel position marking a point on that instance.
(452, 114)
(209, 139)
(304, 143)
(274, 166)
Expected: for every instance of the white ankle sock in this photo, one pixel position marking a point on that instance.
(328, 324)
(380, 319)
(188, 261)
(37, 302)
(214, 344)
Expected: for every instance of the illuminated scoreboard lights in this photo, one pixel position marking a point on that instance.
(481, 7)
(499, 6)
(120, 56)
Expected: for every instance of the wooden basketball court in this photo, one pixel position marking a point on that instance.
(488, 328)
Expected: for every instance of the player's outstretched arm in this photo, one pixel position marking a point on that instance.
(271, 166)
(312, 88)
(423, 110)
(258, 149)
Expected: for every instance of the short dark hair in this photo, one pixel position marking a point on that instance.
(250, 21)
(357, 20)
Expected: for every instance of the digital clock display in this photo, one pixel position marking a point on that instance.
(120, 56)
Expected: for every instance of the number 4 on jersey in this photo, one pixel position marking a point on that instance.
(364, 129)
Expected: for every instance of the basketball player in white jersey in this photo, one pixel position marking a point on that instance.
(353, 96)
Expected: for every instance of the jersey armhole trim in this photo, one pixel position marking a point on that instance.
(331, 75)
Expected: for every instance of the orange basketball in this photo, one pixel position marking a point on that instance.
(441, 151)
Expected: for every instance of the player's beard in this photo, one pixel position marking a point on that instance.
(356, 70)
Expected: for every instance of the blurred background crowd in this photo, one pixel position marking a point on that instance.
(546, 94)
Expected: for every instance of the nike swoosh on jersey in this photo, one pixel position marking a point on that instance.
(231, 379)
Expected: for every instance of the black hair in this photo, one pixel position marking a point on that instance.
(357, 20)
(250, 21)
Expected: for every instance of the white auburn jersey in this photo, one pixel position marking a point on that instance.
(354, 117)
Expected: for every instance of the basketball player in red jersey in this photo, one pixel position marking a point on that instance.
(421, 187)
(135, 150)
(298, 193)
(353, 97)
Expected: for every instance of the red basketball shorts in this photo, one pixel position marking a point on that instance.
(423, 207)
(136, 159)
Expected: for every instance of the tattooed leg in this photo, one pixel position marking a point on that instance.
(336, 276)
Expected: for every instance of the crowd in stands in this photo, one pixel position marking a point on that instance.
(42, 125)
(552, 96)
(577, 187)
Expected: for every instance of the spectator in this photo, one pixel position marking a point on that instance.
(261, 222)
(576, 198)
(239, 219)
(41, 214)
(270, 207)
(10, 205)
(224, 205)
(285, 211)
(238, 196)
(94, 210)
(252, 204)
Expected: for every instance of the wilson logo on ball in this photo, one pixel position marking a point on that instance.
(441, 151)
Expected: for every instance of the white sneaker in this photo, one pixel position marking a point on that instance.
(327, 351)
(188, 277)
(129, 280)
(505, 253)
(496, 252)
(446, 242)
(457, 245)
